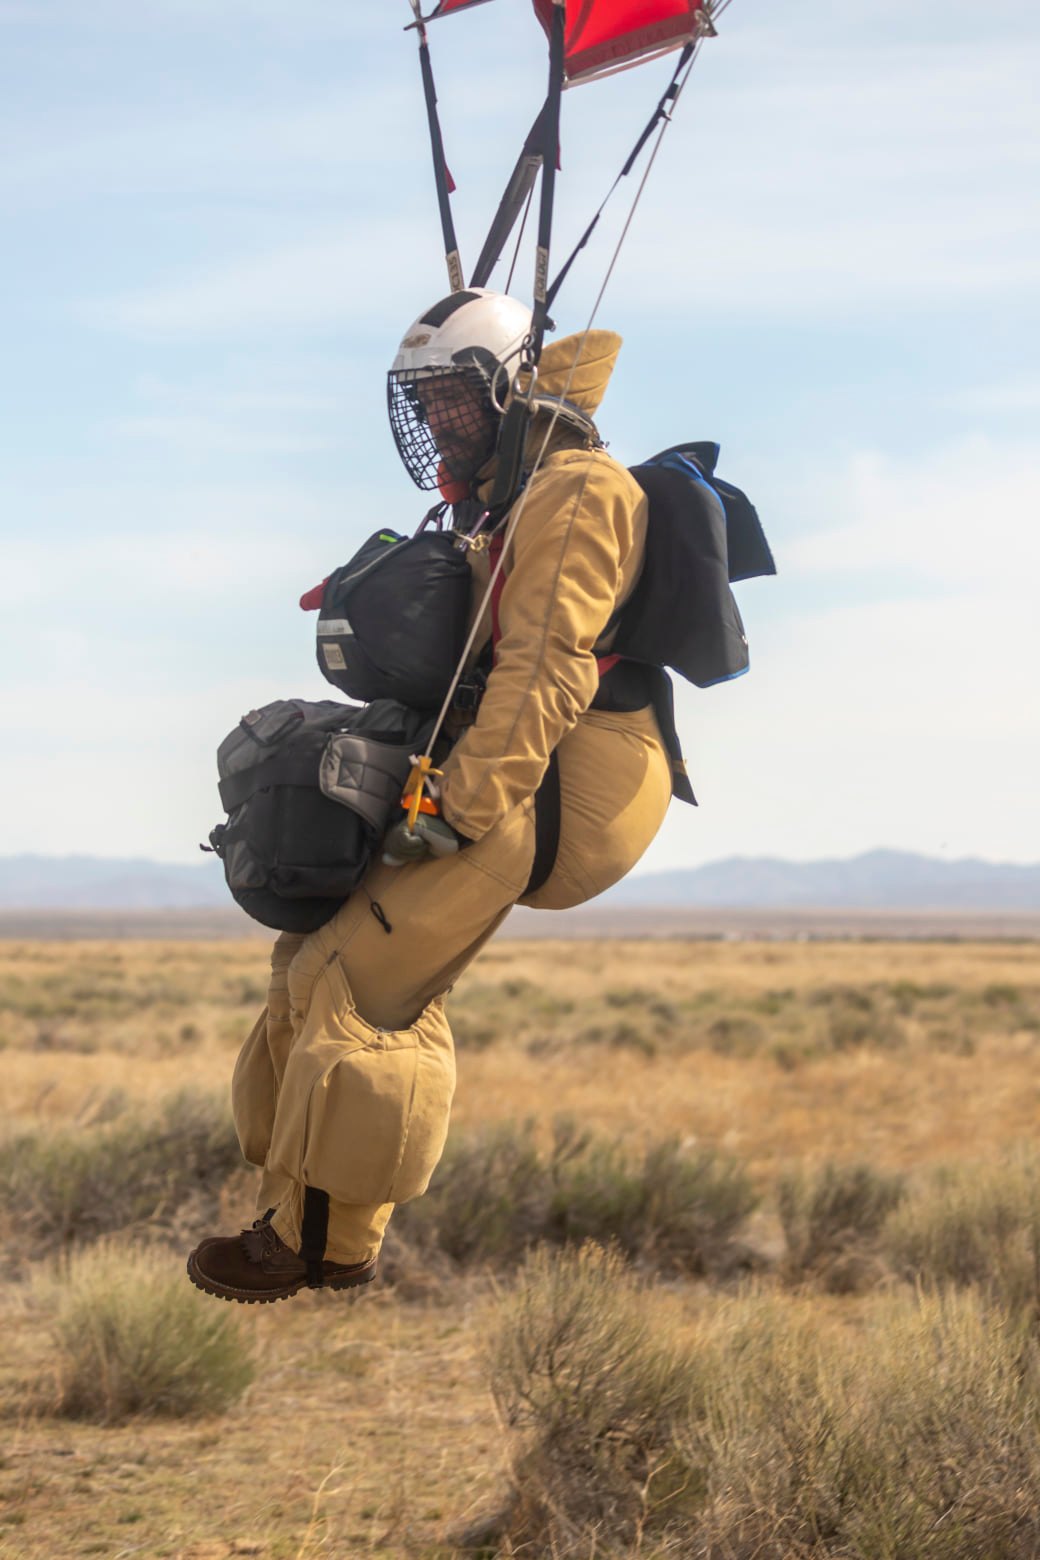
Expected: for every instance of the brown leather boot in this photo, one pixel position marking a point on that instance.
(257, 1266)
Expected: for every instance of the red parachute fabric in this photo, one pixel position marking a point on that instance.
(607, 35)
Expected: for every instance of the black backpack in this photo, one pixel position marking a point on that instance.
(702, 533)
(310, 789)
(393, 620)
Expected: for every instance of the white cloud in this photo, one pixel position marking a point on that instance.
(836, 173)
(131, 771)
(963, 517)
(205, 435)
(349, 276)
(187, 543)
(1010, 398)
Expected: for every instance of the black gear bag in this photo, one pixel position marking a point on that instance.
(702, 533)
(310, 789)
(393, 620)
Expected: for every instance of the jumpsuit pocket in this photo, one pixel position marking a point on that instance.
(363, 1112)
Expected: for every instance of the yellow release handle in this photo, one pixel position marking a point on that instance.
(422, 768)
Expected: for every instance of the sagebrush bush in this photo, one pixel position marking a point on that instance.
(766, 1427)
(917, 1439)
(973, 1224)
(496, 1194)
(594, 1389)
(76, 1183)
(832, 1218)
(670, 1206)
(487, 1199)
(132, 1336)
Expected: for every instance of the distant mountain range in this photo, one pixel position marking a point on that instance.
(877, 880)
(880, 879)
(94, 883)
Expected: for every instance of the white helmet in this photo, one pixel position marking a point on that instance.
(449, 380)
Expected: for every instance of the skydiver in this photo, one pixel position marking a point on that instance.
(336, 1158)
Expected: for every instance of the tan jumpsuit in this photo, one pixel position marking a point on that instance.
(345, 1081)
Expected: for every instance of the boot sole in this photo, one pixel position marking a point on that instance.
(364, 1275)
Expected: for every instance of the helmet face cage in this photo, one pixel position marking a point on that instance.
(443, 422)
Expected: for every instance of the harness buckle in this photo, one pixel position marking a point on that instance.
(468, 693)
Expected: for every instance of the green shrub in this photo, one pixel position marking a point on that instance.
(672, 1208)
(132, 1336)
(973, 1224)
(579, 1370)
(486, 1200)
(765, 1429)
(623, 1036)
(735, 1034)
(76, 1183)
(496, 1194)
(916, 1439)
(833, 1217)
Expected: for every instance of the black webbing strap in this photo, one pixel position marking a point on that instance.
(280, 769)
(546, 826)
(660, 112)
(550, 152)
(663, 699)
(440, 167)
(509, 468)
(314, 1234)
(512, 438)
(521, 182)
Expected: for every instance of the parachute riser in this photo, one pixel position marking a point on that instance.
(550, 152)
(440, 168)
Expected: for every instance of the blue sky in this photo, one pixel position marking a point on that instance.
(218, 221)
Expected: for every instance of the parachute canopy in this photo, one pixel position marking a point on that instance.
(608, 35)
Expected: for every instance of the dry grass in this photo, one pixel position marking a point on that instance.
(370, 1428)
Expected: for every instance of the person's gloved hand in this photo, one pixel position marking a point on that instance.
(431, 836)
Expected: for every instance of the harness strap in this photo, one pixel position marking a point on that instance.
(314, 1234)
(663, 699)
(546, 825)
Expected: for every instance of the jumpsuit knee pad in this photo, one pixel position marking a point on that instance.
(363, 1112)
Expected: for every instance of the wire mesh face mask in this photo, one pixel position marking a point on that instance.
(443, 422)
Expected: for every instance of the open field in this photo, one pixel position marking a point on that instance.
(587, 923)
(758, 1124)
